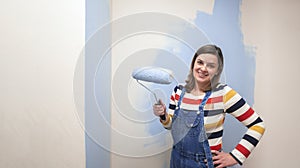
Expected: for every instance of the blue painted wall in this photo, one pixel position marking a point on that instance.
(97, 135)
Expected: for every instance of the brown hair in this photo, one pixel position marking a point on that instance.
(206, 49)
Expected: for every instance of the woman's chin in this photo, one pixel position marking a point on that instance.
(203, 81)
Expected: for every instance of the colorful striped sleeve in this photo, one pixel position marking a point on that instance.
(236, 106)
(172, 106)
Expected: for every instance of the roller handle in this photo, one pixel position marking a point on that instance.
(162, 117)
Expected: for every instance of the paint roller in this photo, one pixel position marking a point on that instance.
(156, 75)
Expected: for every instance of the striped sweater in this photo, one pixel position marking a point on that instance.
(223, 100)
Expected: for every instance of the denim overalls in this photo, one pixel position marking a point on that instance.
(191, 146)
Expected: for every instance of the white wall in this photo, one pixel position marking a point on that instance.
(273, 27)
(40, 44)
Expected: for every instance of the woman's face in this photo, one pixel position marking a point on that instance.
(205, 68)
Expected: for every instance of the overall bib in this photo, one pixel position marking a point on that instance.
(191, 146)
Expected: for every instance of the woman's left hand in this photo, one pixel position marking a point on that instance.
(223, 159)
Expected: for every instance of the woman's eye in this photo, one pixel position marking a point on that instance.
(200, 62)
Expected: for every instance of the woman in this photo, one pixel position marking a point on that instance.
(196, 116)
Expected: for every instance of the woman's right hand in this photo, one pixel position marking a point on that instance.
(159, 109)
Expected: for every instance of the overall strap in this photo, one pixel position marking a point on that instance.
(207, 151)
(207, 94)
(181, 97)
(179, 101)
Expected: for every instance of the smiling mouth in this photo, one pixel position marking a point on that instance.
(202, 75)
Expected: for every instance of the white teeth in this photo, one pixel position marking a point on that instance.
(202, 74)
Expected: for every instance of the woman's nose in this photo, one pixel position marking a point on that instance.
(203, 67)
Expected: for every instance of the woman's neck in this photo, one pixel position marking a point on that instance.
(200, 89)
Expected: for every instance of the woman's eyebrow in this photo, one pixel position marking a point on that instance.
(211, 63)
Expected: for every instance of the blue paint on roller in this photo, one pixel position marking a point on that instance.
(153, 74)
